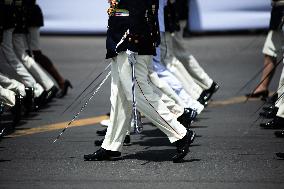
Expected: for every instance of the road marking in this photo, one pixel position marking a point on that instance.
(58, 126)
(95, 120)
(230, 101)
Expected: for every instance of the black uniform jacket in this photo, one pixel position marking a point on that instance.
(7, 15)
(277, 14)
(171, 18)
(34, 14)
(142, 24)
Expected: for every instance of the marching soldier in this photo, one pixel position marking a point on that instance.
(272, 50)
(186, 58)
(20, 47)
(183, 65)
(8, 12)
(35, 20)
(127, 17)
(273, 45)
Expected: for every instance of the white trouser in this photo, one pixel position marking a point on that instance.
(121, 103)
(280, 89)
(273, 44)
(176, 67)
(6, 68)
(165, 87)
(12, 85)
(280, 112)
(173, 83)
(176, 109)
(7, 97)
(34, 38)
(19, 42)
(188, 60)
(26, 78)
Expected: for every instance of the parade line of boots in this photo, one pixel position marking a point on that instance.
(182, 145)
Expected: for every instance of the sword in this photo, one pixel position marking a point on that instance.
(138, 128)
(83, 107)
(86, 88)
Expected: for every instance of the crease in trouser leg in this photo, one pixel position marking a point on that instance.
(120, 114)
(168, 123)
(37, 72)
(8, 51)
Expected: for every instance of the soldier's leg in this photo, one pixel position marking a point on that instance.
(8, 51)
(177, 68)
(280, 89)
(6, 68)
(188, 60)
(169, 102)
(168, 123)
(7, 97)
(120, 114)
(19, 42)
(175, 84)
(272, 51)
(42, 59)
(12, 85)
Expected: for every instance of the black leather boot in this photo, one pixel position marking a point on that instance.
(275, 123)
(183, 146)
(187, 117)
(269, 114)
(102, 132)
(17, 110)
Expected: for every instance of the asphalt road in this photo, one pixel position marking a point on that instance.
(229, 152)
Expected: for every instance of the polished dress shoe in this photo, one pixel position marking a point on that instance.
(269, 114)
(187, 117)
(182, 147)
(2, 129)
(64, 90)
(272, 99)
(102, 154)
(203, 98)
(126, 141)
(279, 134)
(51, 93)
(192, 135)
(262, 94)
(102, 132)
(206, 95)
(268, 108)
(17, 109)
(213, 89)
(29, 103)
(276, 123)
(2, 132)
(1, 108)
(280, 155)
(99, 142)
(41, 100)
